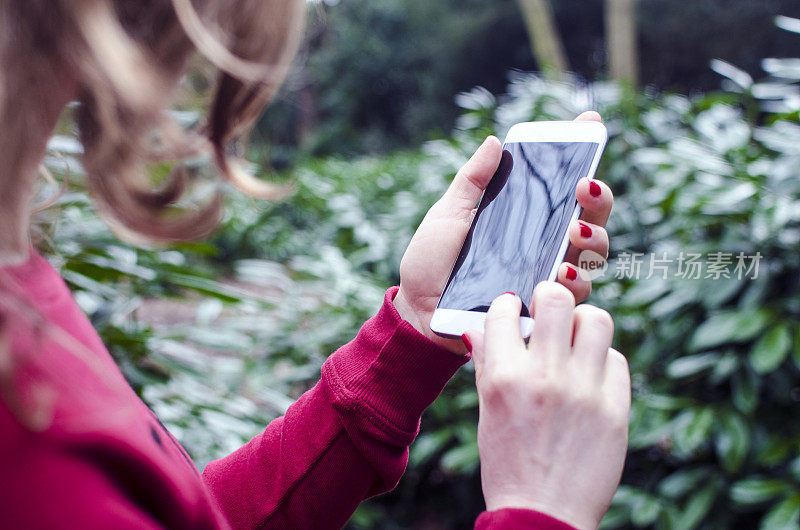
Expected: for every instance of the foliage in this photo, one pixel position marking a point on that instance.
(714, 437)
(383, 74)
(219, 337)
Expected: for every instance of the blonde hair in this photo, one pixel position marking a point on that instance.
(123, 60)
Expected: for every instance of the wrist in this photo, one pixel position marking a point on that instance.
(420, 321)
(406, 312)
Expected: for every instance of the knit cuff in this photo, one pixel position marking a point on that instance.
(519, 519)
(391, 371)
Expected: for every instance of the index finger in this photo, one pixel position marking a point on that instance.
(502, 336)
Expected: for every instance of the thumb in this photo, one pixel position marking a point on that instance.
(467, 187)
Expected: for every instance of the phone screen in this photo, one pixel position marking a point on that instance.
(521, 222)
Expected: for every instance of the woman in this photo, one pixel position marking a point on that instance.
(79, 450)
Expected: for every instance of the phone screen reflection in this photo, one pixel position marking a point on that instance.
(521, 222)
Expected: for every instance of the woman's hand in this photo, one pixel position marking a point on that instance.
(430, 256)
(553, 427)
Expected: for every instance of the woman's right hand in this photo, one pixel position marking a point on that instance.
(553, 428)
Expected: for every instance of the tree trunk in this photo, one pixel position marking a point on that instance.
(621, 43)
(545, 41)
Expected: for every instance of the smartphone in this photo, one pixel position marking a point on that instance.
(519, 236)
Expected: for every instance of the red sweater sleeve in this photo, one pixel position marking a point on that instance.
(518, 519)
(342, 441)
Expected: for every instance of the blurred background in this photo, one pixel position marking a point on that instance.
(386, 100)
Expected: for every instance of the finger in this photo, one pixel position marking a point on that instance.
(576, 280)
(474, 341)
(584, 235)
(594, 332)
(617, 382)
(596, 199)
(467, 187)
(589, 115)
(552, 308)
(502, 337)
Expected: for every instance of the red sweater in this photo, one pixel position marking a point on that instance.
(99, 458)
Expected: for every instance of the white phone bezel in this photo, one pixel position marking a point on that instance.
(452, 323)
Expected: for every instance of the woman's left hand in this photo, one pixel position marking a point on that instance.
(430, 256)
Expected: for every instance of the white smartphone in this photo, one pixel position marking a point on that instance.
(519, 236)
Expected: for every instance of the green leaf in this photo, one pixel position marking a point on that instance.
(428, 444)
(794, 469)
(756, 490)
(697, 508)
(693, 428)
(725, 367)
(615, 517)
(774, 450)
(745, 390)
(796, 349)
(681, 482)
(644, 510)
(771, 350)
(645, 292)
(664, 402)
(206, 286)
(727, 327)
(784, 515)
(733, 441)
(461, 459)
(691, 365)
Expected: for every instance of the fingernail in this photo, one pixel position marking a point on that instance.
(467, 343)
(572, 274)
(509, 292)
(586, 231)
(594, 189)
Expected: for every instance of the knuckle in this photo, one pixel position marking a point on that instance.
(597, 318)
(547, 395)
(499, 385)
(619, 360)
(553, 295)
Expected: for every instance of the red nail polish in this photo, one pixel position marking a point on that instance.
(572, 274)
(594, 189)
(467, 343)
(586, 231)
(509, 292)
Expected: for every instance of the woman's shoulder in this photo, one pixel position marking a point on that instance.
(60, 388)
